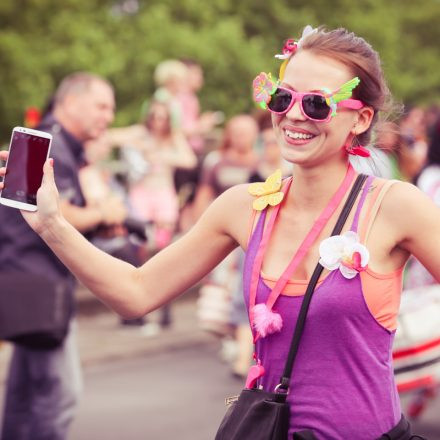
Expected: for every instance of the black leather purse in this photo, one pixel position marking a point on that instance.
(34, 312)
(261, 415)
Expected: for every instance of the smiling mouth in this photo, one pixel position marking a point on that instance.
(296, 135)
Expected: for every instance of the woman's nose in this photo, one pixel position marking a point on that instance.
(295, 112)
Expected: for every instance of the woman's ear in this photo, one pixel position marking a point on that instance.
(365, 116)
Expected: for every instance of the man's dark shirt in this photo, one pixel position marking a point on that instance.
(21, 249)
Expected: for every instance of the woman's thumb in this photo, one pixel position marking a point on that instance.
(48, 172)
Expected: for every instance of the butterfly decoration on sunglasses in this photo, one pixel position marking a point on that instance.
(268, 192)
(344, 92)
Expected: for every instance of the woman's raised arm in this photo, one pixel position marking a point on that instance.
(134, 291)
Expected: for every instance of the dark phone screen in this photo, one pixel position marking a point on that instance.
(24, 172)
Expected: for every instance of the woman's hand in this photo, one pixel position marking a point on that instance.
(48, 202)
(48, 206)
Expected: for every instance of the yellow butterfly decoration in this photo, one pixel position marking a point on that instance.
(268, 192)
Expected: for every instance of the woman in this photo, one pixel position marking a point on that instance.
(429, 182)
(233, 163)
(270, 159)
(152, 196)
(342, 384)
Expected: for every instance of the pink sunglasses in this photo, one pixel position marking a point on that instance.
(313, 105)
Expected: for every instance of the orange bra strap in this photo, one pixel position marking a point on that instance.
(373, 208)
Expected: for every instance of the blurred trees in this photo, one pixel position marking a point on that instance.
(43, 40)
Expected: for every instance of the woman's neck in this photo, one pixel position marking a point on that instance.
(313, 187)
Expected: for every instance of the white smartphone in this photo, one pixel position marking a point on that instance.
(28, 151)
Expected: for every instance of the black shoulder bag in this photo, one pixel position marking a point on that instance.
(262, 415)
(35, 312)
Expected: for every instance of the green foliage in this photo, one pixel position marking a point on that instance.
(43, 40)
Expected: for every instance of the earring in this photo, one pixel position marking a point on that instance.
(355, 148)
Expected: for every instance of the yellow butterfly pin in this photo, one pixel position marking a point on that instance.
(268, 192)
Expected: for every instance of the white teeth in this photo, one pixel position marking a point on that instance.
(297, 135)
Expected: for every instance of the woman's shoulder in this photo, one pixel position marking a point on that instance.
(238, 197)
(402, 201)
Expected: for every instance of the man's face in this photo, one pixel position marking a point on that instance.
(92, 111)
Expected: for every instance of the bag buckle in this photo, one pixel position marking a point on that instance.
(230, 400)
(280, 388)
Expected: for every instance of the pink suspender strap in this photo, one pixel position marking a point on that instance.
(258, 261)
(304, 247)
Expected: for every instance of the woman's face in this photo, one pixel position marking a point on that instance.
(309, 72)
(159, 119)
(242, 133)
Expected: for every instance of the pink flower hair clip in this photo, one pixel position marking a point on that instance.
(289, 48)
(264, 87)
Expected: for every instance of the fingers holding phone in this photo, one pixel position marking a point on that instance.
(48, 202)
(3, 157)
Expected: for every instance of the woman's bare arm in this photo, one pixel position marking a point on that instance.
(130, 291)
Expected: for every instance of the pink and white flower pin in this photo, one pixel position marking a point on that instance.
(344, 252)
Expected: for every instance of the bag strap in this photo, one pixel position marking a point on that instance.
(285, 379)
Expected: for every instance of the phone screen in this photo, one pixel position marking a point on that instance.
(24, 172)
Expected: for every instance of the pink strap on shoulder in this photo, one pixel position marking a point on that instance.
(301, 252)
(258, 262)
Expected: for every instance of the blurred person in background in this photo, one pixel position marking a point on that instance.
(155, 149)
(195, 126)
(43, 386)
(270, 158)
(163, 148)
(429, 182)
(413, 130)
(417, 281)
(233, 163)
(126, 240)
(170, 77)
(399, 160)
(432, 114)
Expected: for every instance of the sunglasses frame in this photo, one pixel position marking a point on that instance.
(353, 104)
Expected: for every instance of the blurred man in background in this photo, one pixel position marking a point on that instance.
(43, 385)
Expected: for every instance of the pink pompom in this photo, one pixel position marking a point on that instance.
(266, 321)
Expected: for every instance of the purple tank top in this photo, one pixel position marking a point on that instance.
(342, 385)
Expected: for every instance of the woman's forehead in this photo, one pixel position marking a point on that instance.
(307, 71)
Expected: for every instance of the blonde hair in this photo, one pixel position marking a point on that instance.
(169, 70)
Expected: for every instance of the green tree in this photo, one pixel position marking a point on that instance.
(43, 40)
